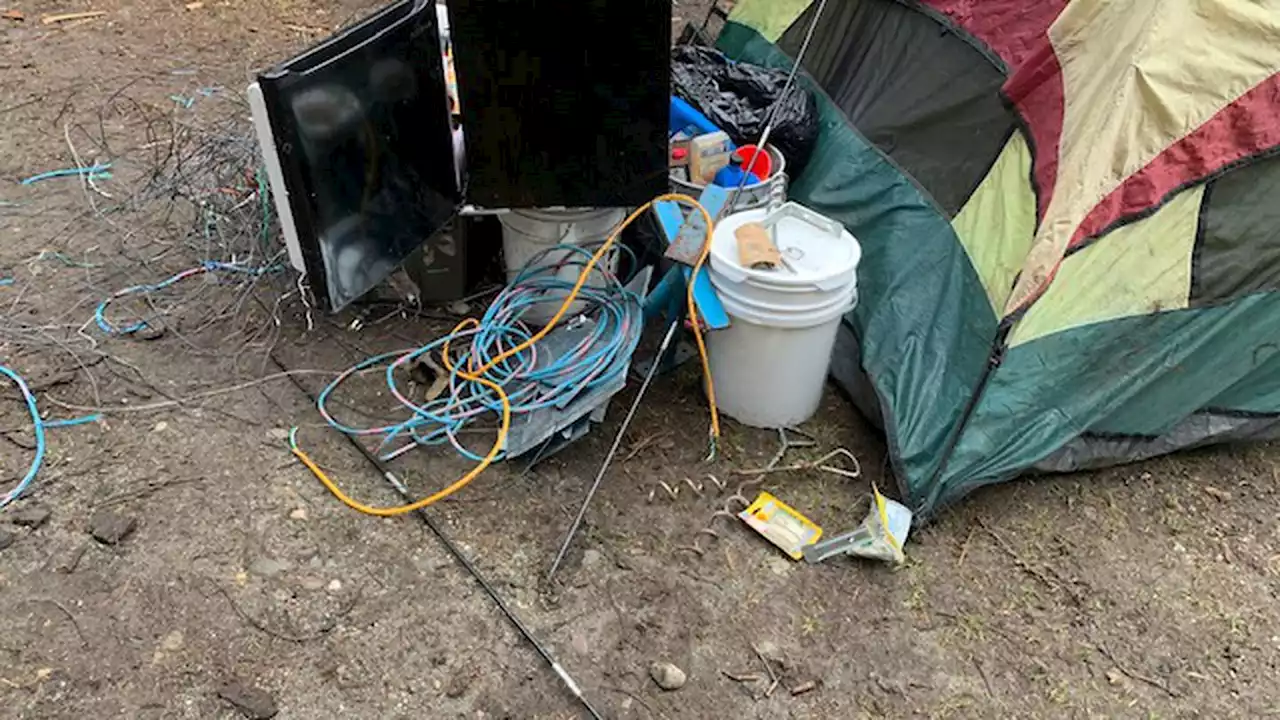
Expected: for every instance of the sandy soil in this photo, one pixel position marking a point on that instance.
(1145, 591)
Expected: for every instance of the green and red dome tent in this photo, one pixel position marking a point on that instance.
(1070, 218)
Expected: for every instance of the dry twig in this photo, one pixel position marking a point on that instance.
(68, 17)
(71, 618)
(1134, 675)
(325, 629)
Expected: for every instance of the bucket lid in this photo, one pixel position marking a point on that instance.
(817, 251)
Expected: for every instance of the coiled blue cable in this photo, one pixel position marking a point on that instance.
(106, 326)
(532, 382)
(38, 427)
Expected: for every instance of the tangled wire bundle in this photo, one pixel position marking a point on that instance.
(532, 380)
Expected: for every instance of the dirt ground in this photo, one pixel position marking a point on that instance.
(1145, 591)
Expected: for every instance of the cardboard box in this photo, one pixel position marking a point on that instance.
(707, 154)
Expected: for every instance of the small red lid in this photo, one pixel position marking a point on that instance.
(679, 153)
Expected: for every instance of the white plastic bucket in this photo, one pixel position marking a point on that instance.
(769, 366)
(525, 233)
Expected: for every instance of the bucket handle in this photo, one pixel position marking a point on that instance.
(799, 212)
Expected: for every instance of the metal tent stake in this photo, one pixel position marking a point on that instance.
(617, 442)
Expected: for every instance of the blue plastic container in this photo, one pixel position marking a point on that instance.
(730, 176)
(684, 115)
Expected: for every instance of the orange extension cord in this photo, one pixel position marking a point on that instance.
(478, 375)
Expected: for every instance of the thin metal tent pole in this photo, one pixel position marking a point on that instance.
(617, 442)
(457, 554)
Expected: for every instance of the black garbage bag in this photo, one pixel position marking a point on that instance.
(737, 96)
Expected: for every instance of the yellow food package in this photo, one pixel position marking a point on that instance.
(781, 525)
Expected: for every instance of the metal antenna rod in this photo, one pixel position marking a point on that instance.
(457, 554)
(617, 442)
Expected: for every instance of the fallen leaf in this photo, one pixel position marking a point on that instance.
(65, 17)
(44, 673)
(194, 5)
(14, 15)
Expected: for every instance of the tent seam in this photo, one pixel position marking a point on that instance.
(1232, 166)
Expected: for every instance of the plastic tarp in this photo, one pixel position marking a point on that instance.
(923, 325)
(1151, 325)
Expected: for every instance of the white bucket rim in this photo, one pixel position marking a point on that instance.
(771, 280)
(544, 228)
(752, 296)
(567, 215)
(790, 320)
(762, 285)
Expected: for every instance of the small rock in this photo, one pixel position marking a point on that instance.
(32, 516)
(298, 514)
(457, 307)
(591, 558)
(109, 527)
(1115, 677)
(253, 702)
(312, 583)
(278, 434)
(7, 538)
(160, 427)
(267, 567)
(335, 586)
(71, 560)
(667, 676)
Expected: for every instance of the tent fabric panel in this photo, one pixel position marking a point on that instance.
(923, 95)
(1160, 70)
(1244, 129)
(1036, 92)
(1140, 268)
(923, 320)
(846, 369)
(1246, 384)
(1092, 451)
(1011, 28)
(768, 17)
(1258, 394)
(998, 222)
(1164, 367)
(1238, 247)
(1253, 394)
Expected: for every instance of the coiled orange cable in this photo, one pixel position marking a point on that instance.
(477, 375)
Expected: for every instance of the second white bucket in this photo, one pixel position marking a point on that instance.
(525, 233)
(769, 366)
